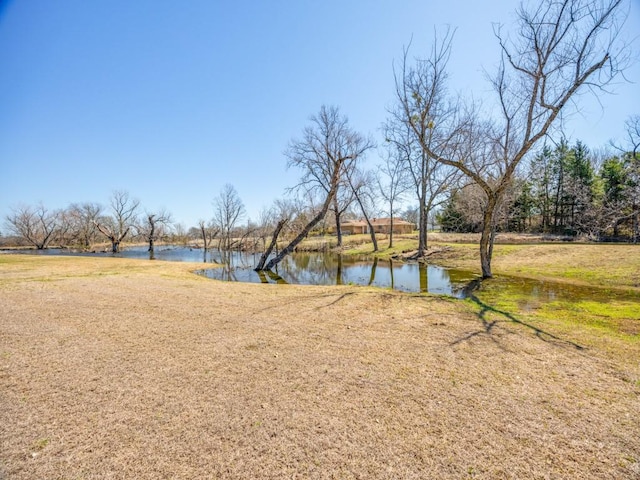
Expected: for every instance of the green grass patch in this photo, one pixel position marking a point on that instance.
(561, 308)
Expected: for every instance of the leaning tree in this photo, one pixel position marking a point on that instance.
(327, 149)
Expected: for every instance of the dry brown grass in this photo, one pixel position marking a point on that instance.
(602, 265)
(113, 368)
(501, 238)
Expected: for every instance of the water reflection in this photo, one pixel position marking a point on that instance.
(334, 269)
(304, 269)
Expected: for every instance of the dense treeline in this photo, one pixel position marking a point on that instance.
(565, 190)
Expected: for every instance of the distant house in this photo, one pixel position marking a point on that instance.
(380, 225)
(354, 226)
(383, 225)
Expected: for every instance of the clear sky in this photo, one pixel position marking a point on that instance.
(171, 100)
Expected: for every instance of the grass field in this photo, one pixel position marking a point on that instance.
(114, 368)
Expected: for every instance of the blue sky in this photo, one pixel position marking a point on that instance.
(171, 100)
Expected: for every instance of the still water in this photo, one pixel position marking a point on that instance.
(306, 269)
(334, 269)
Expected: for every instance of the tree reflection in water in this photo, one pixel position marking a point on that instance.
(336, 269)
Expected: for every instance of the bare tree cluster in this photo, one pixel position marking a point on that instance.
(558, 50)
(37, 225)
(81, 225)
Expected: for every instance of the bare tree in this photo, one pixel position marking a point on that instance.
(124, 213)
(361, 183)
(631, 156)
(295, 211)
(153, 226)
(632, 126)
(392, 181)
(36, 225)
(274, 239)
(207, 232)
(228, 210)
(328, 147)
(422, 103)
(82, 218)
(342, 200)
(559, 50)
(179, 233)
(410, 214)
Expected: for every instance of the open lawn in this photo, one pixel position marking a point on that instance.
(114, 368)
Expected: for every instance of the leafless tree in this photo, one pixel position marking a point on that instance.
(295, 211)
(632, 160)
(124, 214)
(632, 126)
(286, 217)
(36, 225)
(207, 232)
(392, 180)
(228, 210)
(272, 244)
(342, 200)
(327, 148)
(180, 233)
(361, 183)
(423, 103)
(410, 214)
(153, 226)
(559, 50)
(82, 217)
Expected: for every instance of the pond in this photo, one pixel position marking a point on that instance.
(305, 269)
(334, 269)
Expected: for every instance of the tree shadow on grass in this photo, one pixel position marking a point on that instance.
(488, 325)
(300, 301)
(340, 298)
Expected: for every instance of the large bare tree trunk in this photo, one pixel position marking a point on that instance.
(337, 214)
(151, 234)
(372, 233)
(487, 238)
(113, 237)
(314, 221)
(301, 236)
(422, 230)
(358, 198)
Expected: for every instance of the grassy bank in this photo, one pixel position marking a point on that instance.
(600, 265)
(115, 368)
(605, 277)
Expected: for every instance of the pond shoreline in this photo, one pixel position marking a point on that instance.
(602, 265)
